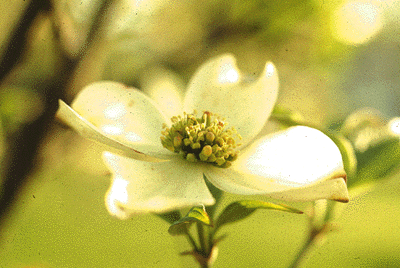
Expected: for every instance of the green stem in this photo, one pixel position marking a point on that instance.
(192, 242)
(314, 234)
(318, 225)
(203, 239)
(206, 245)
(204, 265)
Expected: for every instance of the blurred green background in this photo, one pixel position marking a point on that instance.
(61, 221)
(333, 57)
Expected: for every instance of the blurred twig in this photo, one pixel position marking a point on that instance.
(17, 42)
(24, 145)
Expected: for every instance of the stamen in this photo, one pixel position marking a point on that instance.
(203, 139)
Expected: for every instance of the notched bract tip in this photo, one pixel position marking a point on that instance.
(343, 193)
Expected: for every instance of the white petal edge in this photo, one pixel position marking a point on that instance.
(144, 187)
(71, 118)
(333, 189)
(165, 88)
(125, 113)
(298, 164)
(218, 87)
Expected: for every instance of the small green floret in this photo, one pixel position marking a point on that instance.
(203, 139)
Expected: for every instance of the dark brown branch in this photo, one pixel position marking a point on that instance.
(24, 145)
(17, 41)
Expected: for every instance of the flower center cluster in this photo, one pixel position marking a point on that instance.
(201, 139)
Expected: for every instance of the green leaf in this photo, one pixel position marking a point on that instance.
(241, 209)
(347, 151)
(196, 214)
(377, 162)
(287, 117)
(170, 217)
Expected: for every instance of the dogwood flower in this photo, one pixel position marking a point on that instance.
(157, 164)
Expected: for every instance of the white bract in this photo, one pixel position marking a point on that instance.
(298, 164)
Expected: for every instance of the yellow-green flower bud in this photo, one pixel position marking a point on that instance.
(210, 137)
(211, 158)
(203, 157)
(195, 146)
(191, 158)
(220, 141)
(220, 161)
(177, 141)
(207, 150)
(186, 142)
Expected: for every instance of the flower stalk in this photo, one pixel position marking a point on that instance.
(319, 226)
(203, 251)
